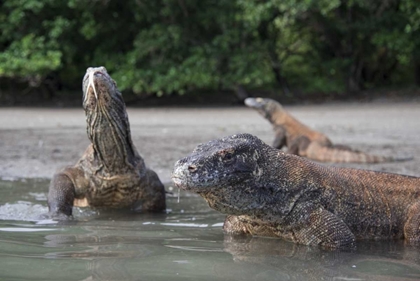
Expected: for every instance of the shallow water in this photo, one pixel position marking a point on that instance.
(187, 243)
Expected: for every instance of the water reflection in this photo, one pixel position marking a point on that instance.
(105, 257)
(385, 260)
(128, 251)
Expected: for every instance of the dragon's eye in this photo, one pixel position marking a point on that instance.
(228, 156)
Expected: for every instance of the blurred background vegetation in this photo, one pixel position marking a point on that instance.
(293, 48)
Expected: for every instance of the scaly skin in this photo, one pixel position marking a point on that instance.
(266, 192)
(111, 173)
(303, 141)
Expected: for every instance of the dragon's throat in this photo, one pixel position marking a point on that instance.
(113, 148)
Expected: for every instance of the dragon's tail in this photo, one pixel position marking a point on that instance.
(343, 154)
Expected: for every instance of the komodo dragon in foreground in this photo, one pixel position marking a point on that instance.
(111, 173)
(266, 192)
(303, 141)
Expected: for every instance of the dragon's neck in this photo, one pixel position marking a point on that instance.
(289, 123)
(111, 140)
(287, 173)
(276, 115)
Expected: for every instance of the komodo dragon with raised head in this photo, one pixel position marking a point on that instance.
(266, 192)
(303, 141)
(111, 173)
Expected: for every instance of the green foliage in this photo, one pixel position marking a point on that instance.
(26, 53)
(166, 46)
(28, 56)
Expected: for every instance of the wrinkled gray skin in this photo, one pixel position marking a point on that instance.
(266, 192)
(111, 173)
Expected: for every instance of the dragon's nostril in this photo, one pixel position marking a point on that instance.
(192, 168)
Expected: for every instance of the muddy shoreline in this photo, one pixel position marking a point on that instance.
(36, 142)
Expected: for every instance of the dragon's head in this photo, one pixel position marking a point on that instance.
(225, 172)
(99, 89)
(266, 107)
(103, 103)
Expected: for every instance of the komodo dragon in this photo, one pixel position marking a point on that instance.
(111, 173)
(266, 192)
(303, 141)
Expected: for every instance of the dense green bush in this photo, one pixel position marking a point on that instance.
(168, 46)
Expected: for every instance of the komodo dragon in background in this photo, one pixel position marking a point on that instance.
(303, 141)
(266, 192)
(111, 173)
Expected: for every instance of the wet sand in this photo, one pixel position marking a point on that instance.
(35, 142)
